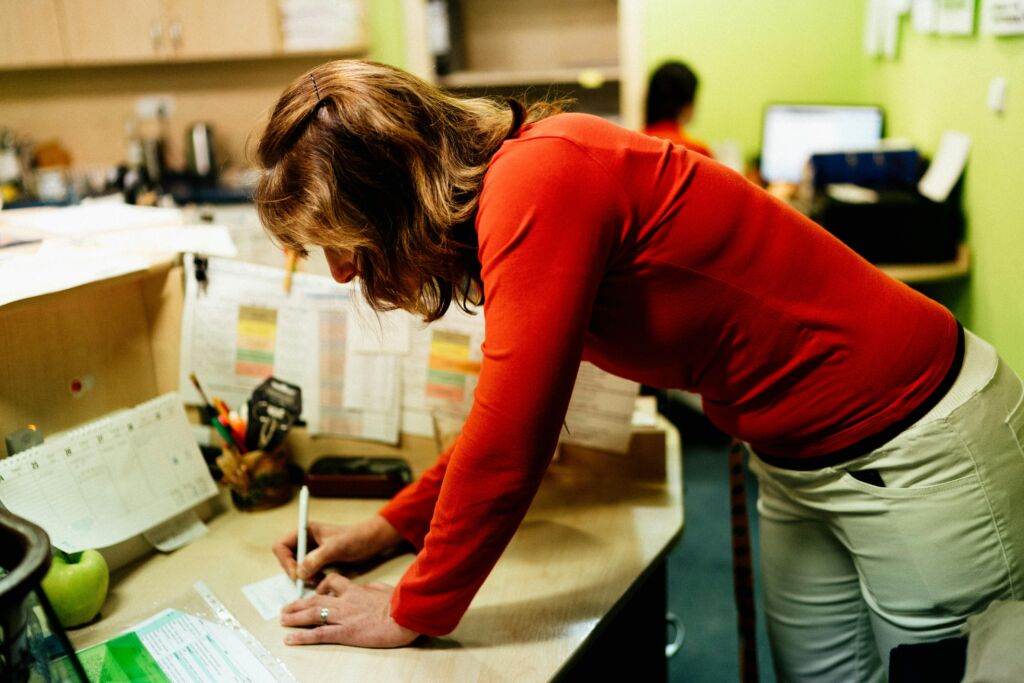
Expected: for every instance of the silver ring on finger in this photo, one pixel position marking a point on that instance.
(323, 616)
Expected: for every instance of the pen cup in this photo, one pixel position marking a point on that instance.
(258, 479)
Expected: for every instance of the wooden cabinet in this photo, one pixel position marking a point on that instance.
(200, 29)
(111, 31)
(29, 34)
(49, 33)
(588, 49)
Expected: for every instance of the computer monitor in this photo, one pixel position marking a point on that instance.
(793, 132)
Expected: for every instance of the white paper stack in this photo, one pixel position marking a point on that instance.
(312, 25)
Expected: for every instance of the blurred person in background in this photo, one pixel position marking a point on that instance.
(671, 102)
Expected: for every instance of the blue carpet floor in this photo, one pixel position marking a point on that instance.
(700, 567)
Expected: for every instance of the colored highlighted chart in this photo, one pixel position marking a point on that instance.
(450, 366)
(257, 336)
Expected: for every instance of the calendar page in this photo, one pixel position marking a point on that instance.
(111, 479)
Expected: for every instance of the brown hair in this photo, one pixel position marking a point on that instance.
(365, 157)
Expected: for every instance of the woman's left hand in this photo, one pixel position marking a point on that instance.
(346, 613)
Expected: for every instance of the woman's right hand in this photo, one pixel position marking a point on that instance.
(336, 544)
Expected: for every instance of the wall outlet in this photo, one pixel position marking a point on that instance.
(154, 107)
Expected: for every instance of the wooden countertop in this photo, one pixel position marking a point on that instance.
(922, 273)
(591, 533)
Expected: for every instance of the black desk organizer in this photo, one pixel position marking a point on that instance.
(33, 645)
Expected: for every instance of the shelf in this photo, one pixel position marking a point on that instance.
(592, 77)
(920, 273)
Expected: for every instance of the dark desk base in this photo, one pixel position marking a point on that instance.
(629, 644)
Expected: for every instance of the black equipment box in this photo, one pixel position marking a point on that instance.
(902, 226)
(335, 476)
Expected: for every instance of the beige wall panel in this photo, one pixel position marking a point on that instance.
(86, 109)
(96, 334)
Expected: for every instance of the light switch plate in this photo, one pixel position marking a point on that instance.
(997, 94)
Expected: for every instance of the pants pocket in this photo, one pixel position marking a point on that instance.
(1015, 422)
(931, 550)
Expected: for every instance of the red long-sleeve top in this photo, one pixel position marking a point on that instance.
(670, 130)
(660, 265)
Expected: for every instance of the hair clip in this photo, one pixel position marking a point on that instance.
(315, 87)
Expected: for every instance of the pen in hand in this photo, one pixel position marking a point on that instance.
(300, 549)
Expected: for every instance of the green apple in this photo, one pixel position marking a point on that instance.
(76, 586)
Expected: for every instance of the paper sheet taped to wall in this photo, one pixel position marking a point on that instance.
(361, 376)
(111, 479)
(239, 327)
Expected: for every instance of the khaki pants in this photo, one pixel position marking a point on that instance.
(852, 569)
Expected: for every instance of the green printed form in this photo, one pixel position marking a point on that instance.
(175, 647)
(121, 660)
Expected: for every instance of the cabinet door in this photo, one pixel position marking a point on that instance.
(109, 31)
(29, 34)
(200, 29)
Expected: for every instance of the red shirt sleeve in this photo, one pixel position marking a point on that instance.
(412, 508)
(548, 221)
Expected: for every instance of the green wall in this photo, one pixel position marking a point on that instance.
(749, 53)
(384, 18)
(938, 83)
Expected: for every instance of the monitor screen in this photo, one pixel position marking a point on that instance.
(793, 132)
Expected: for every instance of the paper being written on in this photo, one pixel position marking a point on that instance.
(271, 594)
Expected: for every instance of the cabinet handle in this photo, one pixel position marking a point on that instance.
(176, 30)
(156, 35)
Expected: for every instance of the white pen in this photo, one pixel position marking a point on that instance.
(300, 550)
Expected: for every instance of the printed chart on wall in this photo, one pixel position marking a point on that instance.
(441, 373)
(363, 374)
(239, 326)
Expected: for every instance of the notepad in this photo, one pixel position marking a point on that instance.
(111, 479)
